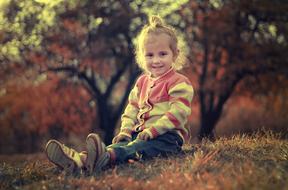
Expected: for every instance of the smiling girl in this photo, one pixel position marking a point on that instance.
(153, 122)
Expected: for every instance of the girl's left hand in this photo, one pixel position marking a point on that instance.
(143, 135)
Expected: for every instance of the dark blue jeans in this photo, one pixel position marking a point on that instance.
(168, 143)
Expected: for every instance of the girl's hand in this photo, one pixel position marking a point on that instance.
(143, 135)
(119, 138)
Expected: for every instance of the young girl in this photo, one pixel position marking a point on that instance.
(158, 106)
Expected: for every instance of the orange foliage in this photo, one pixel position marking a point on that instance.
(37, 108)
(74, 27)
(36, 58)
(59, 49)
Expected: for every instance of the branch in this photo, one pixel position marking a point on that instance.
(241, 75)
(90, 80)
(126, 62)
(116, 77)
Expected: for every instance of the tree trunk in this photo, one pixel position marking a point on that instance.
(107, 123)
(109, 132)
(209, 119)
(208, 123)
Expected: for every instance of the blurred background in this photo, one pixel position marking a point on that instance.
(66, 67)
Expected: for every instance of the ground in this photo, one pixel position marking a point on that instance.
(243, 162)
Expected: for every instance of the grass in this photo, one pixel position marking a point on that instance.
(243, 162)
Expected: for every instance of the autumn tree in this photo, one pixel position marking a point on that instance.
(231, 41)
(88, 41)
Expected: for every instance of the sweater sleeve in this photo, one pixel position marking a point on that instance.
(179, 109)
(129, 117)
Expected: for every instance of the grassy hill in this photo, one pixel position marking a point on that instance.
(241, 162)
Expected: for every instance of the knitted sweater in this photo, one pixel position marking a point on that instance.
(158, 105)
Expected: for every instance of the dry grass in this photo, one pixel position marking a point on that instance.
(241, 162)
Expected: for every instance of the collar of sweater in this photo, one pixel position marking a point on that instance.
(165, 76)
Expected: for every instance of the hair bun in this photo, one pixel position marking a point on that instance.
(156, 21)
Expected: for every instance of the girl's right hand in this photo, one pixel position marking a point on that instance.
(120, 138)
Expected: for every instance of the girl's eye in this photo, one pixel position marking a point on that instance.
(163, 53)
(149, 55)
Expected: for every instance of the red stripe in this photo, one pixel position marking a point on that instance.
(154, 132)
(146, 115)
(173, 119)
(184, 101)
(143, 91)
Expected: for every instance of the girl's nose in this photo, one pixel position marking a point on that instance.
(156, 59)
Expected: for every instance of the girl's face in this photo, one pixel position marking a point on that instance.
(159, 57)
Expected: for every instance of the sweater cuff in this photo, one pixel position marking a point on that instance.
(126, 132)
(153, 133)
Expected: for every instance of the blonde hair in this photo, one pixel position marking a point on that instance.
(157, 26)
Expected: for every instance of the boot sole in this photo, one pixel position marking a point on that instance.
(57, 156)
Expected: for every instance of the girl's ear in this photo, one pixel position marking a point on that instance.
(175, 54)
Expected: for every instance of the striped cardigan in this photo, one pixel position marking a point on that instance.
(158, 105)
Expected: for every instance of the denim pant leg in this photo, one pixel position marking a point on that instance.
(162, 145)
(117, 145)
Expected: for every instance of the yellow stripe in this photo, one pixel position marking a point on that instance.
(133, 94)
(182, 90)
(159, 108)
(181, 108)
(164, 122)
(176, 108)
(129, 117)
